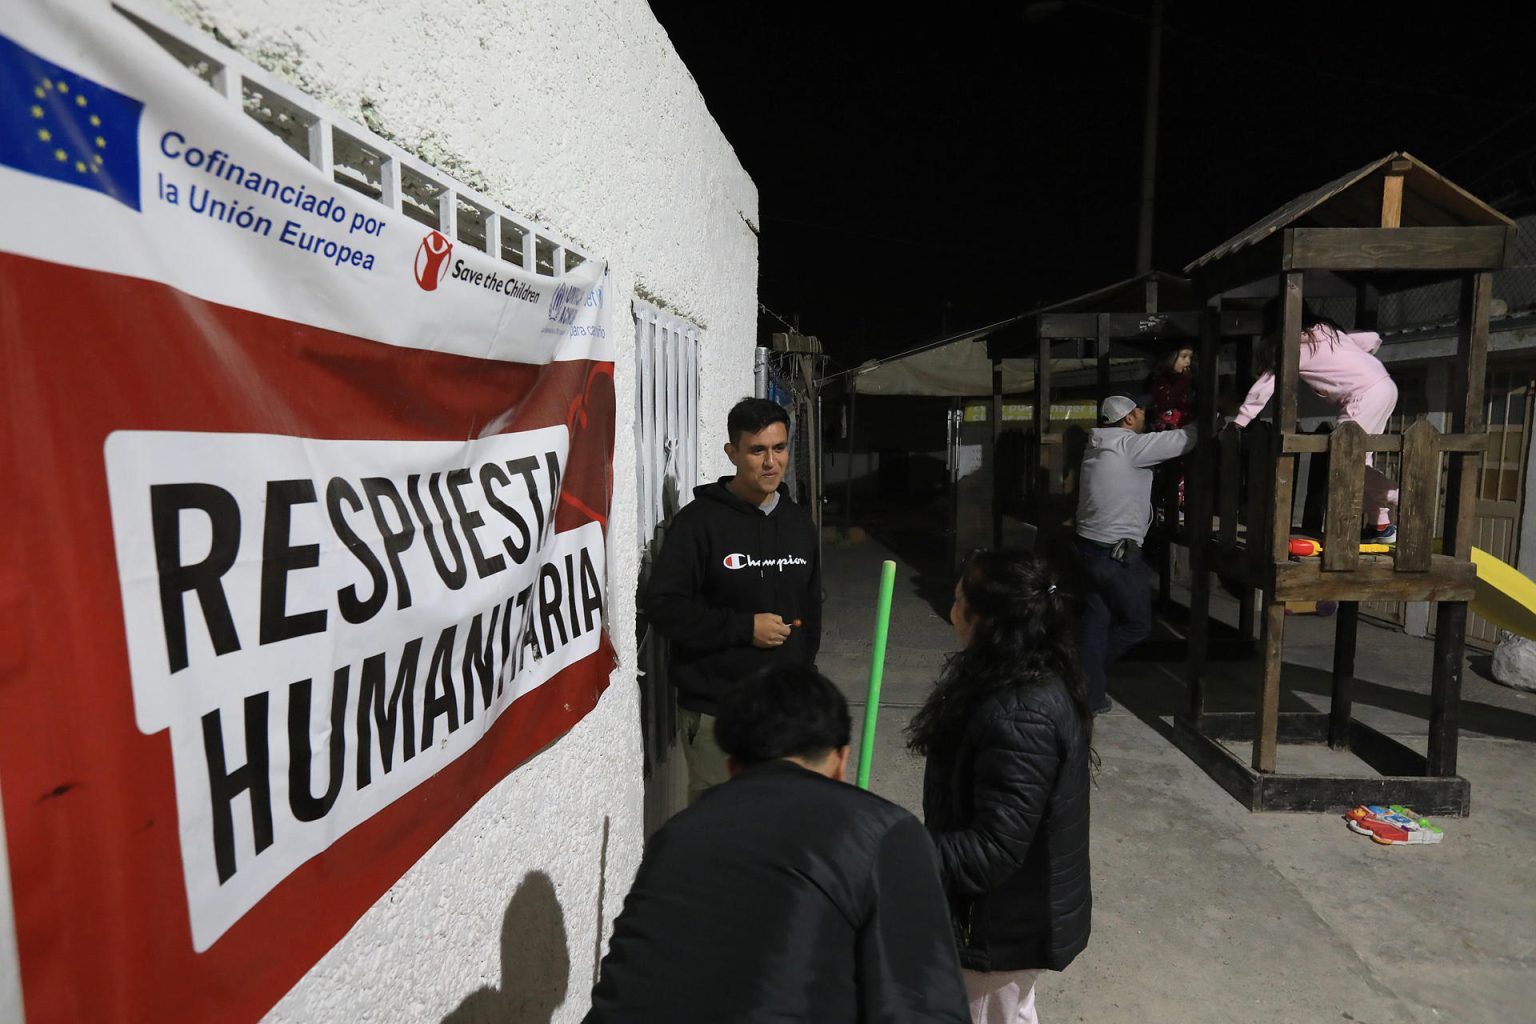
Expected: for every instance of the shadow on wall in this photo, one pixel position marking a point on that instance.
(535, 963)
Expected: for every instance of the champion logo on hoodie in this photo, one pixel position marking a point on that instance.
(740, 561)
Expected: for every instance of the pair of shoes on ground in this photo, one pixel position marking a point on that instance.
(1108, 705)
(1379, 534)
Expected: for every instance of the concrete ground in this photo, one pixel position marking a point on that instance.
(1205, 912)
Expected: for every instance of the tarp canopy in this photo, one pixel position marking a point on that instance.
(955, 369)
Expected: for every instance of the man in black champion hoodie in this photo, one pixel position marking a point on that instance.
(737, 586)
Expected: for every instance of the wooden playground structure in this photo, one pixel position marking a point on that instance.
(1391, 225)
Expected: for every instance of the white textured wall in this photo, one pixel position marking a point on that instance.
(581, 116)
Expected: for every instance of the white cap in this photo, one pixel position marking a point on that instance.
(1117, 408)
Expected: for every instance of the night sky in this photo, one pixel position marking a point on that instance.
(927, 171)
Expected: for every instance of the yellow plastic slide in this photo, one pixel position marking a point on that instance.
(1505, 596)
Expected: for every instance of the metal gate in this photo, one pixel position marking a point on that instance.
(666, 436)
(1501, 480)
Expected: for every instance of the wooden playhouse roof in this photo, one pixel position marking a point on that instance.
(1356, 201)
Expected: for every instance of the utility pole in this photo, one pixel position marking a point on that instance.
(1149, 142)
(1039, 11)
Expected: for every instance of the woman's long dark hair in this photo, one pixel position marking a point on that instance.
(1310, 319)
(1024, 633)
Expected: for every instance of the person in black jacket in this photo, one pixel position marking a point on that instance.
(784, 894)
(737, 585)
(1007, 735)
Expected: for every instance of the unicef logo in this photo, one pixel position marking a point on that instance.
(432, 260)
(735, 561)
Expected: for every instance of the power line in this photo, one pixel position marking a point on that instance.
(1484, 138)
(764, 309)
(1487, 173)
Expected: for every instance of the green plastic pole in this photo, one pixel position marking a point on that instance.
(876, 669)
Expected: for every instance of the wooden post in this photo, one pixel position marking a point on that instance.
(1202, 475)
(1468, 378)
(1165, 491)
(1167, 498)
(1256, 515)
(1246, 602)
(1288, 357)
(1445, 688)
(853, 408)
(1288, 354)
(1392, 194)
(1258, 458)
(1272, 642)
(997, 469)
(1228, 478)
(1042, 418)
(956, 425)
(1467, 381)
(1101, 355)
(1346, 631)
(1341, 703)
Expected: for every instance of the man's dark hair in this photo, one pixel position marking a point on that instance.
(790, 711)
(753, 415)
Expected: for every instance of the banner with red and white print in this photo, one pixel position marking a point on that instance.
(304, 539)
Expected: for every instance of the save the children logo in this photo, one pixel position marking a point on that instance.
(433, 267)
(432, 260)
(737, 560)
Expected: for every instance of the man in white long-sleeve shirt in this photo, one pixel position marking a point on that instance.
(1114, 510)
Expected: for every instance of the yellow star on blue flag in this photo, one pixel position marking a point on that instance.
(60, 125)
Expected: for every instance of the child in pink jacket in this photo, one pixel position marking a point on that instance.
(1340, 366)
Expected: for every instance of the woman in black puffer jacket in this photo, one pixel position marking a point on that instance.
(1007, 734)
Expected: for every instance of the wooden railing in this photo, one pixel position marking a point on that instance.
(1251, 453)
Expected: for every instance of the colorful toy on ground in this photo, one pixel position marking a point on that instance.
(1393, 825)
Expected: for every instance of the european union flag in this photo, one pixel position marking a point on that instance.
(56, 124)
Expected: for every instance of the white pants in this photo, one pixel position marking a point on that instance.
(1371, 409)
(1001, 997)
